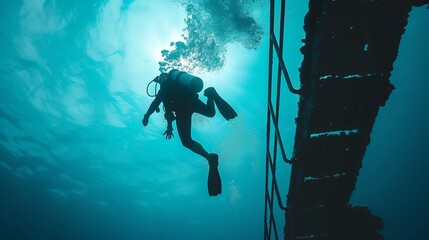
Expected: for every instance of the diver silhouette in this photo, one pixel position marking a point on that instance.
(179, 95)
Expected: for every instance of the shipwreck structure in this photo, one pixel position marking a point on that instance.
(349, 50)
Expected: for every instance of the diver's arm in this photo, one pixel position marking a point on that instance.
(152, 108)
(169, 116)
(169, 132)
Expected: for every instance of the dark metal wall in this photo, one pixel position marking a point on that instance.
(349, 50)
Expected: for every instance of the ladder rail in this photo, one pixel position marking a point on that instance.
(272, 193)
(283, 66)
(278, 135)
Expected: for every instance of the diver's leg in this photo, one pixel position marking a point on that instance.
(183, 123)
(214, 182)
(222, 106)
(207, 109)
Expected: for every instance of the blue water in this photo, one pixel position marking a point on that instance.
(76, 162)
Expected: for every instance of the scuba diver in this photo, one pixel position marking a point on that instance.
(179, 95)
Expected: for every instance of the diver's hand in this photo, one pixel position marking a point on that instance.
(168, 133)
(145, 120)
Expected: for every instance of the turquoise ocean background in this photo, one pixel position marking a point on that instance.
(76, 162)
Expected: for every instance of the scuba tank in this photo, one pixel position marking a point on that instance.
(191, 82)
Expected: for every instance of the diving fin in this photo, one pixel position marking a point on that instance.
(214, 182)
(224, 108)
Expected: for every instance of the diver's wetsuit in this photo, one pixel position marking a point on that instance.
(180, 103)
(178, 99)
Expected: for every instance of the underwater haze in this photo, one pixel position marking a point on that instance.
(77, 163)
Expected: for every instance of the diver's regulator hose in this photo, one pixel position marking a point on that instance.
(156, 87)
(153, 95)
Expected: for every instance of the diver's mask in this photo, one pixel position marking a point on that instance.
(161, 78)
(157, 80)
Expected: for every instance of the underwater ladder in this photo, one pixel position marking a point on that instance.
(349, 50)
